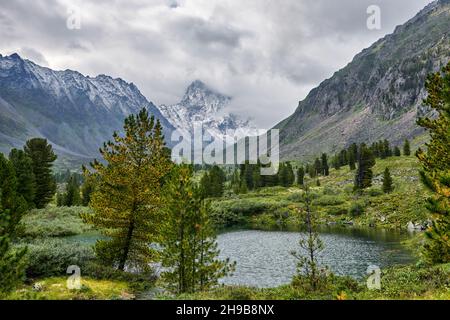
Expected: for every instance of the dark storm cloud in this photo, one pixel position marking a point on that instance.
(266, 54)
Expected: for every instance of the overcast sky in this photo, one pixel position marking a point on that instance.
(266, 54)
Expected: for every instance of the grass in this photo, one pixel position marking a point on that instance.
(334, 201)
(397, 283)
(56, 289)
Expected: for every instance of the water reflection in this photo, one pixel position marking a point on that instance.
(264, 260)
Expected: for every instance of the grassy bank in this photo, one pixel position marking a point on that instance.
(334, 201)
(397, 283)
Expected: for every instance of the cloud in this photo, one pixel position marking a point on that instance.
(267, 55)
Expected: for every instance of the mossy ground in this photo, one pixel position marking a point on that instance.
(56, 289)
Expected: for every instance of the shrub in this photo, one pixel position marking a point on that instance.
(357, 209)
(328, 201)
(337, 211)
(52, 257)
(54, 222)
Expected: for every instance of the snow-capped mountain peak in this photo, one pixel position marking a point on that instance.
(200, 103)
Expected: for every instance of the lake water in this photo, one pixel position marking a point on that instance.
(264, 257)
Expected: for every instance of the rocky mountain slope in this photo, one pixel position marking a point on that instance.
(76, 113)
(378, 95)
(202, 104)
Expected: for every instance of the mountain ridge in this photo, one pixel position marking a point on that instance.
(76, 113)
(377, 95)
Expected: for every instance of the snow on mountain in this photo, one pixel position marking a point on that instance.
(76, 113)
(202, 104)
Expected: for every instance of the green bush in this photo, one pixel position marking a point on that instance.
(295, 197)
(373, 192)
(337, 211)
(54, 222)
(357, 209)
(328, 201)
(52, 257)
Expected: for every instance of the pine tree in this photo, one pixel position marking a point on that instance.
(87, 189)
(311, 171)
(336, 162)
(212, 183)
(324, 165)
(435, 162)
(352, 154)
(397, 152)
(12, 208)
(301, 176)
(42, 157)
(72, 196)
(290, 174)
(128, 200)
(364, 174)
(318, 166)
(387, 152)
(311, 245)
(235, 182)
(26, 181)
(406, 148)
(188, 238)
(387, 181)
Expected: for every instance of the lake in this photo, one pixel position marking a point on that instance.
(264, 257)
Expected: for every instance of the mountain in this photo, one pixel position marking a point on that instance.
(201, 103)
(76, 113)
(378, 95)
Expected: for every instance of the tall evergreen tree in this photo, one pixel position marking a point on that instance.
(397, 152)
(42, 157)
(387, 181)
(188, 239)
(435, 162)
(324, 165)
(318, 166)
(364, 174)
(87, 189)
(12, 208)
(301, 175)
(406, 148)
(352, 154)
(128, 200)
(26, 181)
(72, 196)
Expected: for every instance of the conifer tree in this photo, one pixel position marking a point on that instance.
(42, 157)
(364, 174)
(435, 162)
(406, 148)
(12, 208)
(311, 245)
(336, 162)
(318, 166)
(387, 181)
(128, 200)
(301, 176)
(397, 152)
(324, 165)
(352, 154)
(344, 157)
(72, 196)
(26, 181)
(87, 189)
(311, 171)
(290, 174)
(235, 182)
(188, 239)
